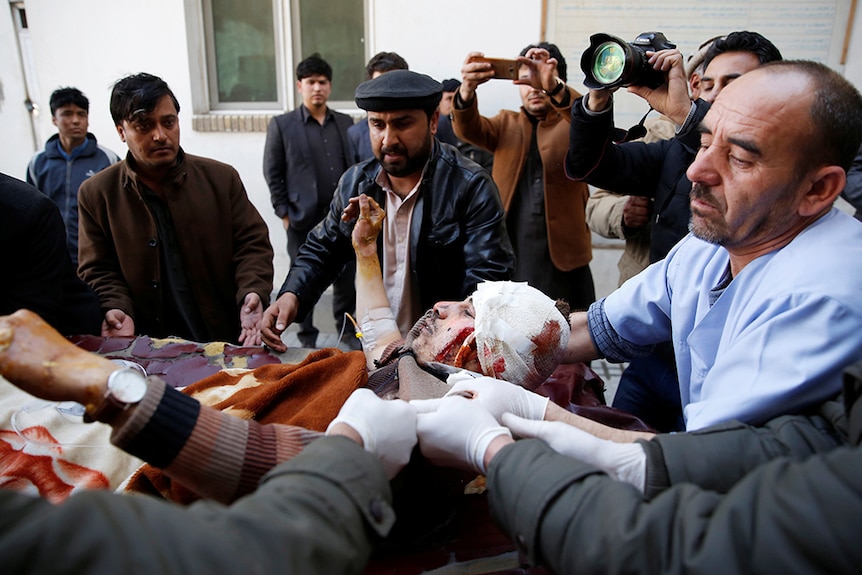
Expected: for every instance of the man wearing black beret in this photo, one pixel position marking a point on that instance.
(445, 227)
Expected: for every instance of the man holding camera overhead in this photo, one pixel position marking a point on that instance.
(648, 387)
(657, 170)
(545, 211)
(734, 331)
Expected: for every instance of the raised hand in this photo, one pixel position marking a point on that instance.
(542, 68)
(369, 221)
(671, 98)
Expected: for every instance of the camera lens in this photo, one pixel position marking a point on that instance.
(609, 63)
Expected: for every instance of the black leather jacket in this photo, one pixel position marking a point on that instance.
(655, 170)
(458, 233)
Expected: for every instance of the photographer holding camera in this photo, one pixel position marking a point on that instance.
(658, 170)
(649, 386)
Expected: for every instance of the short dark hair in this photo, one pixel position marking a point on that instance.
(138, 93)
(451, 85)
(314, 65)
(552, 49)
(743, 41)
(66, 96)
(385, 62)
(836, 114)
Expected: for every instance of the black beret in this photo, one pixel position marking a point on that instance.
(399, 90)
(451, 85)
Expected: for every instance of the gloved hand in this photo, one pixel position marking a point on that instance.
(456, 432)
(622, 461)
(387, 427)
(498, 396)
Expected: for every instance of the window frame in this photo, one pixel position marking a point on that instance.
(209, 56)
(211, 115)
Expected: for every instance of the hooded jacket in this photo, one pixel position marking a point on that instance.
(59, 178)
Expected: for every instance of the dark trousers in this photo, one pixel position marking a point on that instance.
(649, 389)
(343, 294)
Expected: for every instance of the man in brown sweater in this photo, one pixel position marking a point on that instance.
(544, 209)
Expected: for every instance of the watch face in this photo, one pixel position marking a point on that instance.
(127, 385)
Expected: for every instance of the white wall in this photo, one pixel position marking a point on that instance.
(853, 68)
(92, 43)
(119, 38)
(454, 28)
(16, 144)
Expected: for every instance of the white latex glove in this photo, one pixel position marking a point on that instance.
(498, 396)
(456, 432)
(623, 461)
(387, 427)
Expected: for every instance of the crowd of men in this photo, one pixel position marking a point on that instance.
(742, 334)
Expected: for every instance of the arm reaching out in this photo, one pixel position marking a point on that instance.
(40, 361)
(372, 305)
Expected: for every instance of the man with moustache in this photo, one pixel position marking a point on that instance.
(545, 210)
(758, 300)
(170, 241)
(761, 299)
(445, 229)
(648, 386)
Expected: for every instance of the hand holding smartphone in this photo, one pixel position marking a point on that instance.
(504, 68)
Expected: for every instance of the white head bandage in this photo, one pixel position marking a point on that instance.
(520, 334)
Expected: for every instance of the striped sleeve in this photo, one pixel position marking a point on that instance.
(222, 457)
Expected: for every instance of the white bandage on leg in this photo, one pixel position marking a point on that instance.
(375, 323)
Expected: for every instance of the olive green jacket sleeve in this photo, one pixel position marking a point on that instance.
(785, 517)
(718, 456)
(316, 513)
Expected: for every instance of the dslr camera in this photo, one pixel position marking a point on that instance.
(610, 62)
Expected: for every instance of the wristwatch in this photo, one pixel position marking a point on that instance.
(126, 388)
(557, 89)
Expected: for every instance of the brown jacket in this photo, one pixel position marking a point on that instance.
(507, 135)
(224, 244)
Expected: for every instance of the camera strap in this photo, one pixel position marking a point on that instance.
(634, 133)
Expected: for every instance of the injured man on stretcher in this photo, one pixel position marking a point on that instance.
(506, 330)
